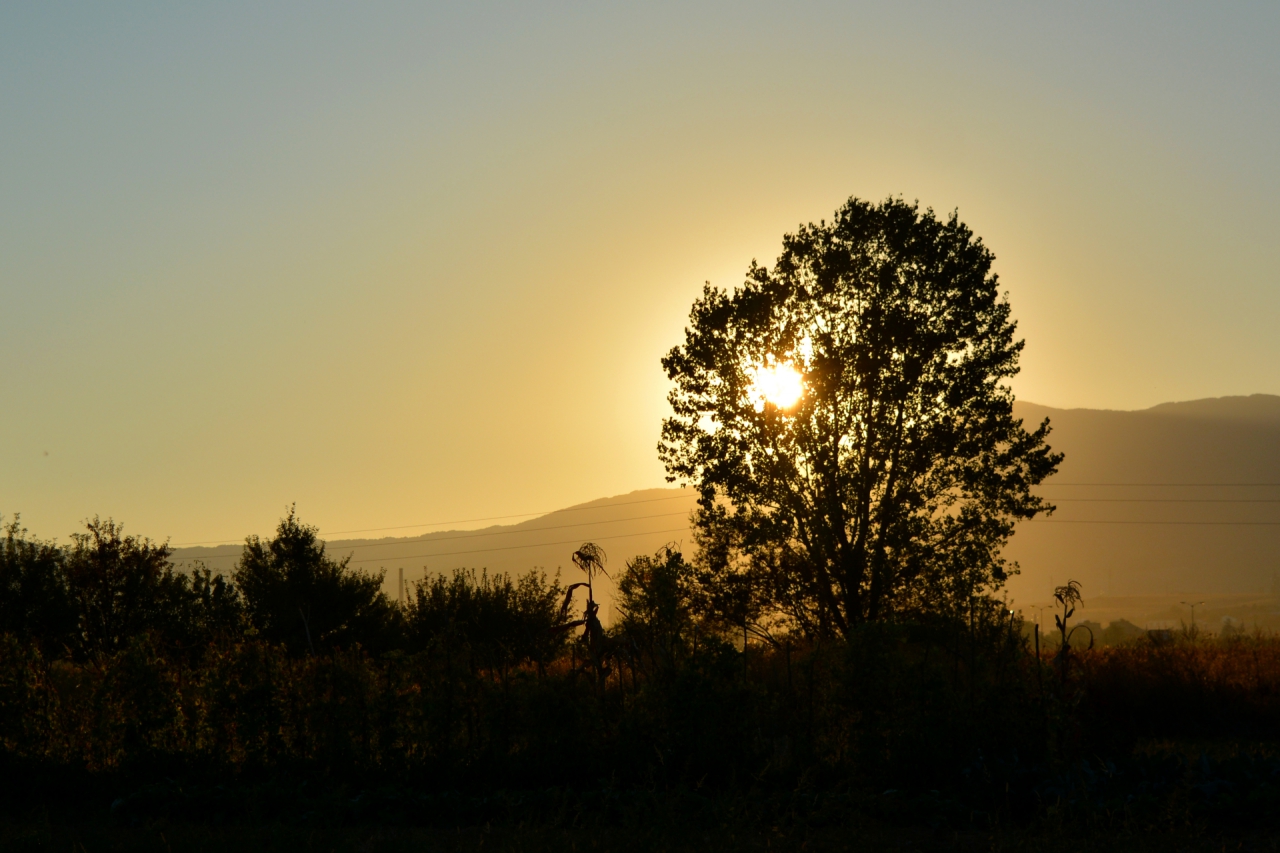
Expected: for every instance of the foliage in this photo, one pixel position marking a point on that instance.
(250, 708)
(35, 601)
(1203, 690)
(297, 595)
(124, 586)
(655, 602)
(590, 558)
(211, 607)
(931, 719)
(105, 590)
(494, 621)
(949, 714)
(893, 482)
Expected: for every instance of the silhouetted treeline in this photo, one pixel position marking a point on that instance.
(105, 590)
(118, 671)
(93, 597)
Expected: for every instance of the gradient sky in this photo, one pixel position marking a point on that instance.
(402, 263)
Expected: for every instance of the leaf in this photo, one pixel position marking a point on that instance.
(568, 597)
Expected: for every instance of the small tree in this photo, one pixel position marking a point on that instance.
(35, 601)
(210, 607)
(123, 586)
(297, 595)
(656, 601)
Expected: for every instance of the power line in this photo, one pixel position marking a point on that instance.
(480, 534)
(515, 547)
(1162, 485)
(211, 543)
(686, 497)
(1187, 523)
(686, 529)
(455, 521)
(1169, 500)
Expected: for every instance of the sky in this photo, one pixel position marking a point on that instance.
(401, 263)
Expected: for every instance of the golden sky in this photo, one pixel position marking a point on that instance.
(400, 263)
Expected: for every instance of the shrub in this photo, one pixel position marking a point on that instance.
(656, 606)
(123, 587)
(35, 600)
(493, 622)
(297, 595)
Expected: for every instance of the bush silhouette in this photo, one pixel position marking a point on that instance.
(656, 611)
(35, 601)
(297, 595)
(124, 587)
(494, 621)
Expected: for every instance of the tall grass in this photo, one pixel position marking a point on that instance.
(475, 686)
(904, 701)
(1227, 689)
(965, 710)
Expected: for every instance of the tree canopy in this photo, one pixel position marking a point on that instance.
(298, 595)
(847, 420)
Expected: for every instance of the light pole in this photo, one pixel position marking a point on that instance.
(1193, 605)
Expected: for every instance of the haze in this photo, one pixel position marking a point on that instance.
(403, 264)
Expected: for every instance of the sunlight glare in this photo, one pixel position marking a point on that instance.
(779, 384)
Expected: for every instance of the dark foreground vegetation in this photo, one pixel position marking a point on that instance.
(143, 707)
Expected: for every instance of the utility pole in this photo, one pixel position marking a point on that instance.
(400, 589)
(1193, 606)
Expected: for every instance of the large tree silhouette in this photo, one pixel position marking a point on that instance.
(896, 477)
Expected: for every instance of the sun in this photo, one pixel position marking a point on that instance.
(778, 384)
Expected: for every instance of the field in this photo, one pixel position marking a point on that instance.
(922, 736)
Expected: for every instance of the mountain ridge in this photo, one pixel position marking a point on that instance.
(1262, 407)
(1171, 497)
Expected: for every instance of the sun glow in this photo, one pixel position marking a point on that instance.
(778, 384)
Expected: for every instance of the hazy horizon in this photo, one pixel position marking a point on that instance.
(1263, 408)
(1152, 505)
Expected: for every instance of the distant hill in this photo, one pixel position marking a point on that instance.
(1173, 475)
(1179, 464)
(625, 525)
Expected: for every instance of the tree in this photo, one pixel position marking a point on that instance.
(297, 595)
(207, 606)
(847, 421)
(656, 603)
(123, 586)
(35, 602)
